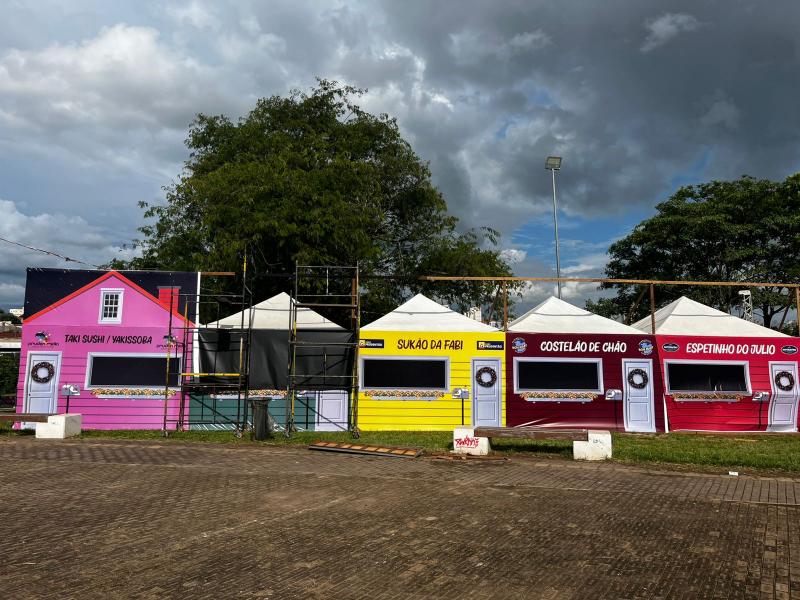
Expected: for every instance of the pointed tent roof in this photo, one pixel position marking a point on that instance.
(275, 313)
(556, 316)
(685, 316)
(423, 314)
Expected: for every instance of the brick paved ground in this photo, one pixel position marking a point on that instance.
(103, 519)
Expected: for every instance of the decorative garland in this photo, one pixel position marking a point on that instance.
(487, 383)
(788, 377)
(264, 392)
(130, 392)
(708, 396)
(47, 367)
(642, 374)
(402, 394)
(558, 395)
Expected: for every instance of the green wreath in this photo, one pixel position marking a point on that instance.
(639, 385)
(490, 380)
(47, 367)
(784, 375)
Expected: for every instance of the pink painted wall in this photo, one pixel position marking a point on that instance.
(73, 330)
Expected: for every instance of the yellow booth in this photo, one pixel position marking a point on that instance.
(426, 367)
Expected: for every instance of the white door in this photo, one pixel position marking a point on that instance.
(486, 381)
(331, 411)
(637, 383)
(783, 401)
(42, 396)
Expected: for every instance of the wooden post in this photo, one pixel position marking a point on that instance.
(797, 301)
(505, 306)
(353, 292)
(653, 308)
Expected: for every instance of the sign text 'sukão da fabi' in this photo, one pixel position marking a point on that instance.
(425, 344)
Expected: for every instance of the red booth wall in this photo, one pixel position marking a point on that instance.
(742, 414)
(597, 413)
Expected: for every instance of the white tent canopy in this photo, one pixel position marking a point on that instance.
(688, 317)
(423, 314)
(275, 313)
(556, 316)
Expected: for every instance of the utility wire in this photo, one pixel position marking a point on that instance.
(56, 254)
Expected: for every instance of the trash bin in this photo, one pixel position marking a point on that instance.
(261, 429)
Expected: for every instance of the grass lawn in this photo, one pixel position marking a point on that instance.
(766, 452)
(738, 452)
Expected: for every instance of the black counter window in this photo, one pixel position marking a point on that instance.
(706, 377)
(557, 376)
(133, 371)
(387, 373)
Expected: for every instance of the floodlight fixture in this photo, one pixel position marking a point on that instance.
(553, 163)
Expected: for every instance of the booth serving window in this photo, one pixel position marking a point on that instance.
(405, 374)
(558, 375)
(132, 371)
(703, 377)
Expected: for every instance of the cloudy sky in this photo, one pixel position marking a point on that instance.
(638, 96)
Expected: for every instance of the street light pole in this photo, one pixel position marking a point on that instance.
(553, 163)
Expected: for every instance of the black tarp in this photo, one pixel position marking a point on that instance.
(325, 365)
(44, 287)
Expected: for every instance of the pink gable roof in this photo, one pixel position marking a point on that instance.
(82, 307)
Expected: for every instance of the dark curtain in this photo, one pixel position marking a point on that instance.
(323, 358)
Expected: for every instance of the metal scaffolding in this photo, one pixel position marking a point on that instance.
(205, 391)
(330, 289)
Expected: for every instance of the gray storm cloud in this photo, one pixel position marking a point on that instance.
(634, 95)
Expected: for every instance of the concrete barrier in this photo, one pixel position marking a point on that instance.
(59, 427)
(465, 442)
(597, 447)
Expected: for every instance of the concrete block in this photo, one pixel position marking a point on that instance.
(59, 427)
(465, 442)
(598, 447)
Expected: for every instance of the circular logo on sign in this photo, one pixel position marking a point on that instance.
(789, 349)
(519, 345)
(646, 347)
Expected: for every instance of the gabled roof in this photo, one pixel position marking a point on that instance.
(275, 313)
(99, 280)
(556, 316)
(685, 316)
(46, 286)
(423, 314)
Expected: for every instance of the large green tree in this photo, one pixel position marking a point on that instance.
(314, 179)
(742, 230)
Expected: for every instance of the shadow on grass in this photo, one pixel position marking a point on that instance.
(533, 448)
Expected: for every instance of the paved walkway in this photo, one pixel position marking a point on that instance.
(114, 519)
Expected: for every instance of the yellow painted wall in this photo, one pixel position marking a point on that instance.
(442, 413)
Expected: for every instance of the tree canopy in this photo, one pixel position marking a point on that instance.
(7, 316)
(742, 230)
(314, 179)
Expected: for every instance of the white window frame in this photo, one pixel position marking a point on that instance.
(108, 320)
(550, 359)
(445, 359)
(678, 361)
(90, 365)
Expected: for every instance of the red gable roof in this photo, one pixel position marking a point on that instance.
(100, 279)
